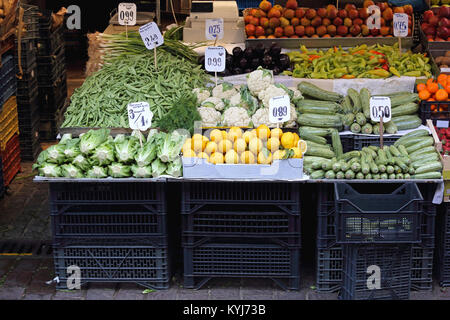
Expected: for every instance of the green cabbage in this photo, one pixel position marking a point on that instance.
(120, 138)
(103, 154)
(158, 168)
(175, 168)
(70, 171)
(71, 149)
(119, 170)
(92, 139)
(55, 154)
(97, 172)
(50, 170)
(126, 149)
(170, 148)
(66, 137)
(42, 158)
(81, 162)
(141, 172)
(146, 154)
(151, 134)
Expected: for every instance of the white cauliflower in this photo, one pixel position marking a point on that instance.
(293, 120)
(213, 102)
(202, 94)
(247, 102)
(269, 93)
(236, 117)
(297, 93)
(260, 117)
(259, 80)
(210, 116)
(224, 91)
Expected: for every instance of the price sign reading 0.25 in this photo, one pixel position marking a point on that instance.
(380, 107)
(127, 14)
(215, 59)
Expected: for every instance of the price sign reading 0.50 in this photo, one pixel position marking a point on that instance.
(380, 107)
(215, 59)
(127, 14)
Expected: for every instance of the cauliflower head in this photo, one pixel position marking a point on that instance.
(201, 94)
(260, 117)
(259, 80)
(269, 93)
(244, 100)
(297, 93)
(293, 120)
(210, 116)
(236, 117)
(213, 102)
(224, 91)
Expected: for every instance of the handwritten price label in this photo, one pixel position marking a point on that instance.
(139, 116)
(400, 25)
(279, 109)
(127, 14)
(151, 35)
(380, 107)
(214, 29)
(215, 59)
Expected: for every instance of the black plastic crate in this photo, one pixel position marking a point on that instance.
(378, 218)
(364, 141)
(394, 263)
(29, 151)
(241, 221)
(49, 44)
(52, 98)
(52, 64)
(329, 267)
(28, 53)
(443, 245)
(346, 141)
(28, 110)
(422, 268)
(142, 261)
(242, 258)
(277, 195)
(31, 21)
(7, 89)
(442, 111)
(7, 67)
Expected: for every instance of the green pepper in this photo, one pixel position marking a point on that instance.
(394, 71)
(412, 74)
(379, 72)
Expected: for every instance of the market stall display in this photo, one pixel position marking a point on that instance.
(434, 99)
(436, 25)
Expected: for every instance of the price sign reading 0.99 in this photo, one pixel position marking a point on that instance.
(214, 29)
(127, 14)
(215, 59)
(380, 107)
(400, 25)
(151, 35)
(139, 116)
(279, 109)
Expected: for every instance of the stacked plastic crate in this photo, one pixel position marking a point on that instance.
(239, 229)
(443, 240)
(27, 90)
(9, 140)
(113, 231)
(52, 79)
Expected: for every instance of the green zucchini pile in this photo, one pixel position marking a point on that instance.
(413, 156)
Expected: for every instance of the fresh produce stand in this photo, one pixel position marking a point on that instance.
(290, 127)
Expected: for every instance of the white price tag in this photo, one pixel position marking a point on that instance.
(374, 21)
(214, 29)
(127, 14)
(279, 109)
(139, 116)
(151, 35)
(380, 107)
(400, 25)
(215, 59)
(442, 123)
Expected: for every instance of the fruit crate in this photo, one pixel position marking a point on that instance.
(242, 258)
(134, 260)
(443, 245)
(221, 221)
(9, 122)
(442, 111)
(28, 53)
(378, 218)
(10, 170)
(8, 88)
(329, 268)
(360, 141)
(394, 264)
(31, 22)
(11, 150)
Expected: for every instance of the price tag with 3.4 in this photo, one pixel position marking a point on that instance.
(127, 14)
(400, 25)
(151, 35)
(279, 109)
(380, 107)
(215, 59)
(139, 116)
(214, 29)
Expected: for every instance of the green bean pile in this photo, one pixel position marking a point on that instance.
(103, 98)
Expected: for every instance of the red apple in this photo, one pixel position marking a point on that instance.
(444, 22)
(434, 20)
(443, 32)
(444, 12)
(427, 15)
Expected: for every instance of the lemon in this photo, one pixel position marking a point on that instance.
(296, 139)
(248, 135)
(224, 135)
(276, 132)
(247, 157)
(234, 133)
(263, 132)
(240, 145)
(273, 144)
(211, 147)
(187, 145)
(288, 140)
(216, 135)
(224, 146)
(198, 142)
(231, 157)
(216, 158)
(303, 146)
(297, 153)
(255, 145)
(264, 158)
(279, 154)
(189, 154)
(203, 155)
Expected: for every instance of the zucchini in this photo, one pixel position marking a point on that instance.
(356, 103)
(402, 150)
(406, 176)
(428, 175)
(382, 157)
(384, 176)
(318, 174)
(319, 152)
(407, 122)
(426, 141)
(318, 107)
(309, 160)
(390, 169)
(347, 105)
(382, 168)
(328, 165)
(340, 175)
(374, 148)
(397, 169)
(411, 141)
(389, 156)
(429, 158)
(351, 154)
(395, 152)
(364, 97)
(330, 174)
(337, 144)
(314, 131)
(360, 176)
(356, 167)
(368, 176)
(349, 174)
(348, 119)
(390, 127)
(367, 129)
(376, 129)
(355, 128)
(336, 166)
(392, 176)
(401, 164)
(411, 170)
(401, 99)
(318, 164)
(353, 160)
(360, 119)
(430, 167)
(371, 152)
(415, 133)
(365, 168)
(374, 168)
(399, 176)
(312, 137)
(405, 109)
(320, 120)
(318, 145)
(345, 166)
(418, 153)
(376, 176)
(314, 91)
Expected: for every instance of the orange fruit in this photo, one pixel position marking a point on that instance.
(441, 95)
(433, 87)
(447, 88)
(442, 78)
(429, 81)
(424, 95)
(421, 86)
